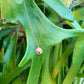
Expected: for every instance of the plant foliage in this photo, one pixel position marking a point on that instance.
(62, 42)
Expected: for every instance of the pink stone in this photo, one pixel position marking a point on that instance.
(39, 51)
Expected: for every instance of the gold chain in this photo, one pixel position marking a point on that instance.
(42, 23)
(37, 43)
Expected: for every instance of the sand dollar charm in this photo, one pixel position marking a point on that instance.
(39, 51)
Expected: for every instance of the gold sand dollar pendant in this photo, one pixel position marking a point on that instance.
(39, 51)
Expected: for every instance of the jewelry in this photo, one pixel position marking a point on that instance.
(38, 51)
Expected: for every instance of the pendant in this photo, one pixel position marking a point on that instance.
(39, 51)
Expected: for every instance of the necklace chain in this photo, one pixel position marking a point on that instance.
(37, 43)
(42, 23)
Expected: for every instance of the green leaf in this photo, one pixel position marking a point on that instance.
(79, 48)
(70, 75)
(46, 77)
(51, 34)
(5, 32)
(74, 24)
(80, 75)
(6, 42)
(61, 9)
(82, 25)
(9, 57)
(79, 14)
(52, 15)
(64, 56)
(17, 81)
(13, 74)
(1, 59)
(78, 55)
(7, 24)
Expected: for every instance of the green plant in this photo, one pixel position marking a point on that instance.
(62, 43)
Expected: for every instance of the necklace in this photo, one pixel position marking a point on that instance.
(38, 51)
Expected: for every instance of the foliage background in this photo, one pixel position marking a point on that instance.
(62, 61)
